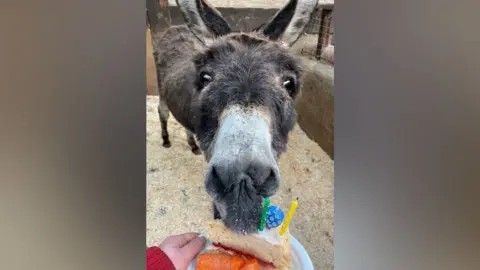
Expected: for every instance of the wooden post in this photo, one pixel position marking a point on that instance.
(163, 3)
(153, 8)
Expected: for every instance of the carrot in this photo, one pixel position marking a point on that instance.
(237, 262)
(213, 261)
(250, 264)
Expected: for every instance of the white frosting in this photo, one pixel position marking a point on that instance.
(271, 235)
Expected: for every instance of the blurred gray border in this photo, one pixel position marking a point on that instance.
(72, 85)
(407, 134)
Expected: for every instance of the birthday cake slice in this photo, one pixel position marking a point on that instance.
(271, 250)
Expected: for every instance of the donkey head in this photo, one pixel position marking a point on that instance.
(246, 84)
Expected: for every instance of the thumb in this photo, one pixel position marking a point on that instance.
(192, 248)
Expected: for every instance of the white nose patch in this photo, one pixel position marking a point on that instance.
(243, 134)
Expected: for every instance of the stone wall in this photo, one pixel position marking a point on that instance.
(315, 105)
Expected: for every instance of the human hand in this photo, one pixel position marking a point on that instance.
(181, 249)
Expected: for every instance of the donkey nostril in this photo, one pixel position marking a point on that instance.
(273, 175)
(263, 174)
(269, 184)
(214, 181)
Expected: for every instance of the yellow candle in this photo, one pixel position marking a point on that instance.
(287, 220)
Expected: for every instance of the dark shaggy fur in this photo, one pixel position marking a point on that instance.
(203, 71)
(247, 71)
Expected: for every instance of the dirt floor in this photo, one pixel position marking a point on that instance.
(177, 201)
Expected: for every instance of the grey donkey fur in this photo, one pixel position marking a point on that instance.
(235, 92)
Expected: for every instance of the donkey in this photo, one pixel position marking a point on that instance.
(235, 92)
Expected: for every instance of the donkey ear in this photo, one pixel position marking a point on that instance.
(202, 18)
(290, 21)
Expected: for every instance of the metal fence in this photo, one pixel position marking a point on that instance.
(317, 40)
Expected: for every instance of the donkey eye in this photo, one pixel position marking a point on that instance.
(205, 78)
(289, 84)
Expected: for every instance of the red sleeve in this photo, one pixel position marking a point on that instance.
(158, 260)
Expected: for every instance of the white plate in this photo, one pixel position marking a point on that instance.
(300, 258)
